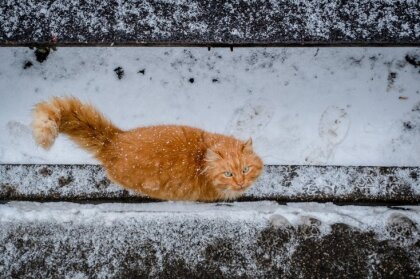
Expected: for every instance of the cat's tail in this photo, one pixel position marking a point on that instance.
(81, 122)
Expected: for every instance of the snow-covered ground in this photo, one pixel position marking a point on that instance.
(293, 214)
(374, 219)
(246, 240)
(340, 106)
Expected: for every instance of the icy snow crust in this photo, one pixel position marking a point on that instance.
(189, 239)
(326, 106)
(281, 183)
(209, 22)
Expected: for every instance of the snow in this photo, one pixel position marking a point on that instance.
(262, 213)
(45, 182)
(183, 21)
(295, 214)
(331, 182)
(316, 106)
(104, 238)
(302, 106)
(351, 184)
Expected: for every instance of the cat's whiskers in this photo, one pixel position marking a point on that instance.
(203, 171)
(229, 194)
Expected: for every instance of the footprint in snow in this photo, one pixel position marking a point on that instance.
(333, 128)
(18, 130)
(250, 120)
(334, 125)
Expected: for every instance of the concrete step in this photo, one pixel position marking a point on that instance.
(223, 240)
(209, 23)
(392, 185)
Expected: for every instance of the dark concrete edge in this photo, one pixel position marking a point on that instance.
(267, 165)
(212, 44)
(340, 202)
(126, 197)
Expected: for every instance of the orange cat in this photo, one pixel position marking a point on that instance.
(166, 162)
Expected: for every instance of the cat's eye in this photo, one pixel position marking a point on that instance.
(245, 169)
(228, 174)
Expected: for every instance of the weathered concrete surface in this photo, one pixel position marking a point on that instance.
(209, 23)
(177, 240)
(281, 183)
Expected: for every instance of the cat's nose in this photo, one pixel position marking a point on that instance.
(240, 183)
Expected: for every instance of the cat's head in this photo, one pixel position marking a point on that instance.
(232, 167)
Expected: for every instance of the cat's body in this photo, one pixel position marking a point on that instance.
(166, 162)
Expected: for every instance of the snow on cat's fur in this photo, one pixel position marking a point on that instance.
(167, 162)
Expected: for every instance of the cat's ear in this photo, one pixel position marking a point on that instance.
(212, 155)
(247, 147)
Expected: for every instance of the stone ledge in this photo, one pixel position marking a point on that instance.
(209, 23)
(187, 240)
(393, 185)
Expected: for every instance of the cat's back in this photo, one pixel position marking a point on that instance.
(163, 140)
(166, 134)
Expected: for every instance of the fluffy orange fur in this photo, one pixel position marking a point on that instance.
(167, 162)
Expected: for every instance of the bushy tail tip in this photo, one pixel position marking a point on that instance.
(45, 124)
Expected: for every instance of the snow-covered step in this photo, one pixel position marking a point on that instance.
(282, 183)
(187, 240)
(301, 106)
(197, 22)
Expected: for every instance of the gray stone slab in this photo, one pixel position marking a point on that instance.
(281, 183)
(186, 240)
(210, 23)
